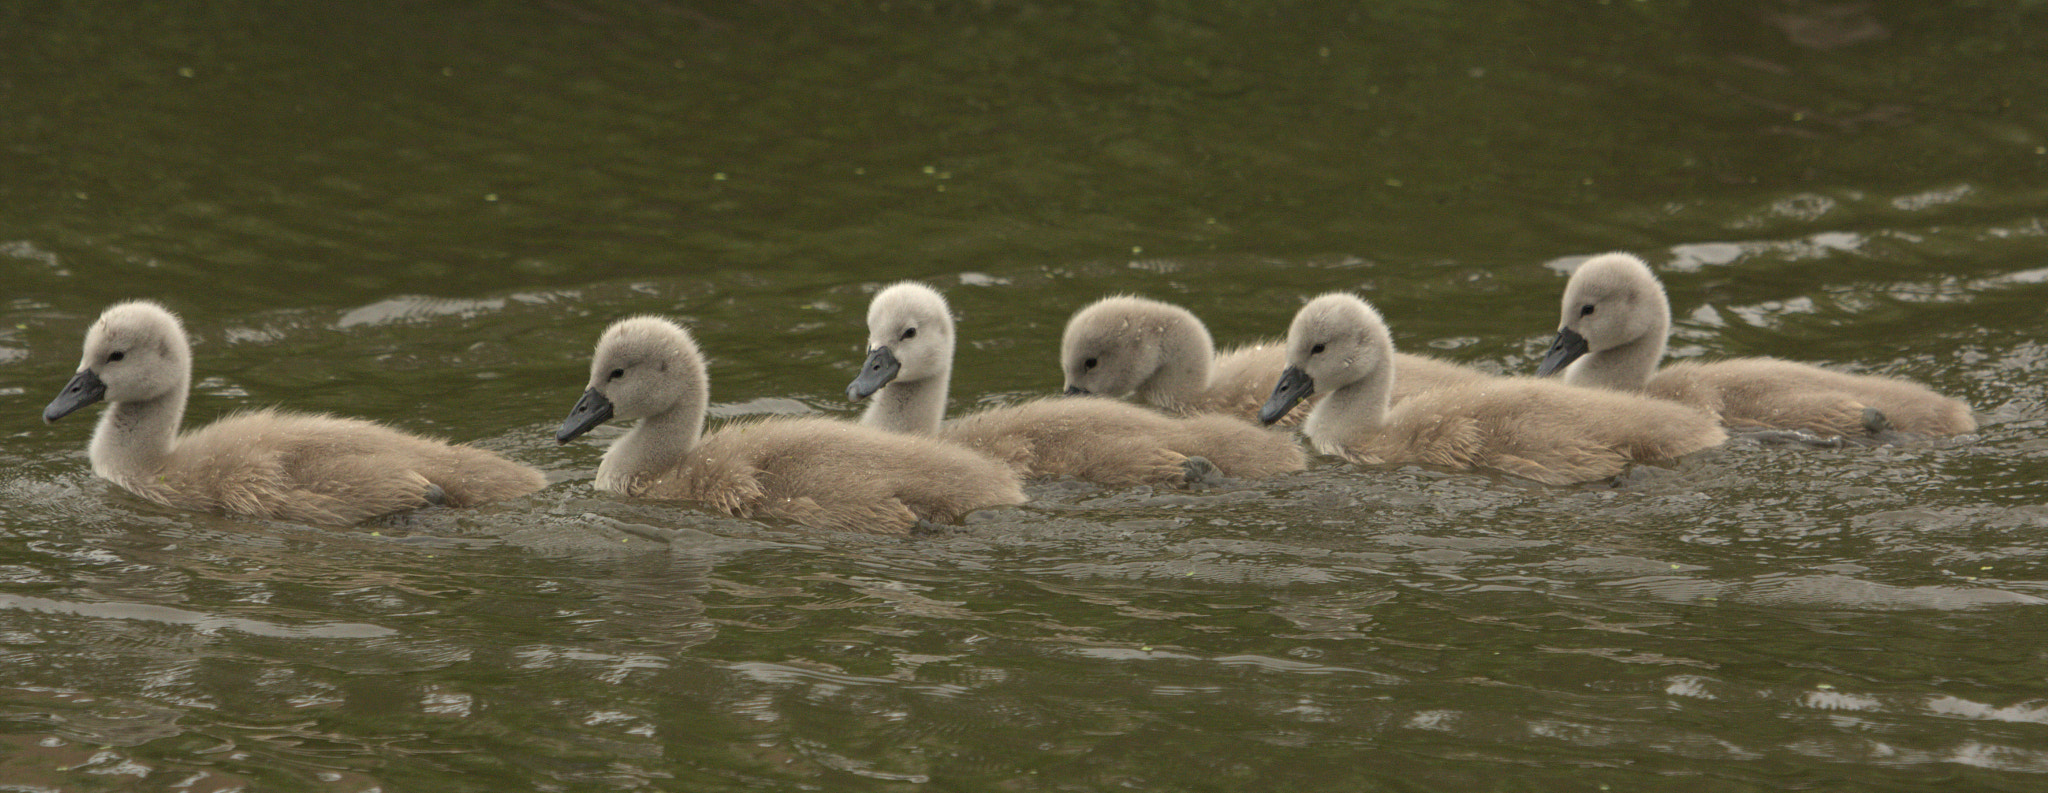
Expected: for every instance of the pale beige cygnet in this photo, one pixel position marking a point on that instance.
(1162, 353)
(1616, 319)
(909, 368)
(1339, 346)
(820, 472)
(262, 464)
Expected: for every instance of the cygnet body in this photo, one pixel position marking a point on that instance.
(1616, 320)
(822, 473)
(909, 367)
(1338, 345)
(1162, 353)
(264, 464)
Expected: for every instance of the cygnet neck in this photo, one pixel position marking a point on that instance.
(1353, 409)
(1627, 367)
(134, 438)
(655, 444)
(915, 407)
(1186, 357)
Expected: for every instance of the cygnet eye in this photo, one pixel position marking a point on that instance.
(116, 355)
(1587, 311)
(616, 374)
(910, 333)
(1316, 350)
(1088, 364)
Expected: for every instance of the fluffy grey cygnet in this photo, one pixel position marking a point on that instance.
(909, 369)
(1616, 319)
(261, 464)
(822, 473)
(1162, 353)
(1542, 430)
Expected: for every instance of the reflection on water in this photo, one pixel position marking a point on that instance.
(426, 216)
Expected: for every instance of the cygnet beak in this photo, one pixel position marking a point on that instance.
(84, 389)
(1295, 385)
(880, 368)
(593, 409)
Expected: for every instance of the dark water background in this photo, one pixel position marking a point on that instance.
(425, 212)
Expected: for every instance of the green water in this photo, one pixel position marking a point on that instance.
(424, 213)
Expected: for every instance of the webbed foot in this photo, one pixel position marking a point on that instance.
(1201, 472)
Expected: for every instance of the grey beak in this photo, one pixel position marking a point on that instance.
(1295, 385)
(593, 409)
(880, 368)
(1567, 348)
(84, 389)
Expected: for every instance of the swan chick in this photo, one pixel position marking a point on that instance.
(1163, 354)
(266, 464)
(1339, 345)
(907, 373)
(819, 472)
(1616, 319)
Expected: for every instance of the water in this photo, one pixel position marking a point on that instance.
(426, 214)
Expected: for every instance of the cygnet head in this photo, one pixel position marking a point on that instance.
(644, 366)
(910, 338)
(136, 352)
(1336, 340)
(1118, 345)
(1612, 300)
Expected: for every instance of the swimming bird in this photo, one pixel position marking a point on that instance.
(263, 464)
(1124, 345)
(819, 472)
(1338, 345)
(909, 368)
(1616, 319)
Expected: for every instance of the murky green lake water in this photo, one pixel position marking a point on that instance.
(424, 213)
